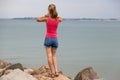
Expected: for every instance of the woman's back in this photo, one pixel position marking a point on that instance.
(51, 25)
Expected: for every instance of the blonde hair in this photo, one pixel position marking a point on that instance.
(52, 11)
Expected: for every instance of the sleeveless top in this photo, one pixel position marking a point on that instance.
(51, 28)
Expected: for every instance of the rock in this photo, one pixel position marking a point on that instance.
(99, 79)
(2, 71)
(16, 66)
(61, 77)
(11, 67)
(40, 77)
(87, 74)
(17, 74)
(4, 64)
(7, 71)
(43, 72)
(29, 71)
(43, 69)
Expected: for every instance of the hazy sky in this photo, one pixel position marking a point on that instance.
(66, 8)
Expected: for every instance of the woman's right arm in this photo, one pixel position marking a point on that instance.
(42, 19)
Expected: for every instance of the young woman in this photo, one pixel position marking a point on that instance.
(51, 42)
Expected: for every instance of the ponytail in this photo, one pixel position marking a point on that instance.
(52, 11)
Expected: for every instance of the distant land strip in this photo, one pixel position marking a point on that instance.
(92, 19)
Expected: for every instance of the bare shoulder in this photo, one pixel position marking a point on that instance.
(60, 19)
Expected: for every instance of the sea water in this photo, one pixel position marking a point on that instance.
(81, 44)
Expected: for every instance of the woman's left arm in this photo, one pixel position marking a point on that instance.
(60, 19)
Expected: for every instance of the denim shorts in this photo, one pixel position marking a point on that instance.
(51, 42)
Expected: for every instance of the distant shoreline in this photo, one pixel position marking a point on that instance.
(82, 19)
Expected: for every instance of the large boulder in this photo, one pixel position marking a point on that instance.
(87, 74)
(17, 74)
(11, 67)
(43, 72)
(60, 77)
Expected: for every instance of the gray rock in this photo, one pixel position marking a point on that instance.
(14, 66)
(17, 74)
(87, 74)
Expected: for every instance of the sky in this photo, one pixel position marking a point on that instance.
(65, 8)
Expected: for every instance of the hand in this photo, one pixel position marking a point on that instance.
(47, 15)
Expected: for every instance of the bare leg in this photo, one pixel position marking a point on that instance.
(49, 57)
(54, 59)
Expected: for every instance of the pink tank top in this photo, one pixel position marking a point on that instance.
(51, 25)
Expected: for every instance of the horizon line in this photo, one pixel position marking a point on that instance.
(63, 18)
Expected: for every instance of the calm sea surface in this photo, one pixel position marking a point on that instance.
(81, 44)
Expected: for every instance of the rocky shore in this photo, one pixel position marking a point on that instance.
(17, 71)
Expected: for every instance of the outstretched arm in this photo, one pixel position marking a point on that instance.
(43, 18)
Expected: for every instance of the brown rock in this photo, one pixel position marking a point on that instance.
(43, 72)
(4, 64)
(43, 69)
(7, 71)
(41, 77)
(87, 74)
(61, 77)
